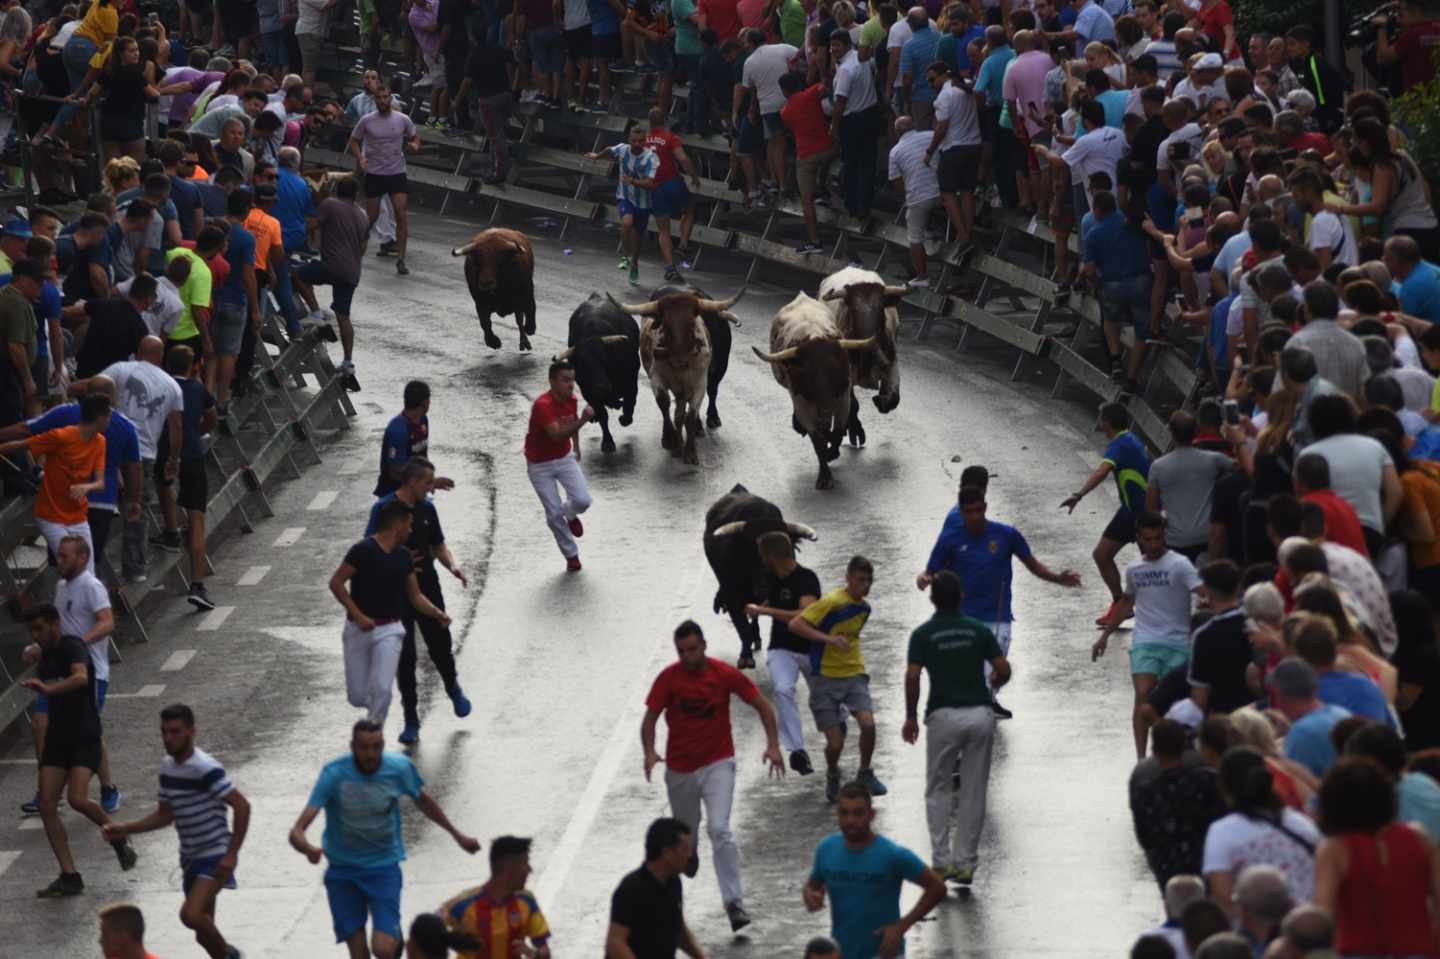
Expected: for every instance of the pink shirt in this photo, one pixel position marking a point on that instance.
(1025, 84)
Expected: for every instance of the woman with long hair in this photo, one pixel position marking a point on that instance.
(1399, 195)
(122, 108)
(1292, 782)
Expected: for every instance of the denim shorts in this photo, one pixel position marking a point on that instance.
(547, 53)
(1128, 301)
(640, 216)
(358, 894)
(671, 198)
(228, 330)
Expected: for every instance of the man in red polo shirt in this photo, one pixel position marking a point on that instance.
(670, 197)
(553, 465)
(1312, 485)
(803, 116)
(694, 694)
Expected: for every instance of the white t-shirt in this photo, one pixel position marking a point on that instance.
(762, 73)
(1357, 468)
(165, 312)
(1329, 231)
(855, 80)
(148, 395)
(958, 107)
(1235, 841)
(1162, 589)
(907, 163)
(1199, 95)
(1099, 151)
(900, 34)
(1190, 133)
(78, 600)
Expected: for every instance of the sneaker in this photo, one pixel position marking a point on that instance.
(232, 953)
(1000, 711)
(1104, 618)
(69, 884)
(576, 106)
(460, 701)
(832, 785)
(800, 762)
(692, 866)
(440, 124)
(685, 251)
(135, 577)
(529, 96)
(387, 248)
(110, 798)
(401, 268)
(410, 734)
(866, 777)
(1117, 372)
(168, 540)
(624, 264)
(963, 875)
(314, 318)
(125, 852)
(572, 564)
(598, 108)
(199, 598)
(948, 873)
(918, 283)
(634, 273)
(620, 66)
(31, 807)
(577, 529)
(345, 368)
(739, 918)
(805, 249)
(746, 660)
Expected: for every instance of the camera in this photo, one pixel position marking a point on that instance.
(1363, 31)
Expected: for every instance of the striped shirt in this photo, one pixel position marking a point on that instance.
(195, 791)
(640, 166)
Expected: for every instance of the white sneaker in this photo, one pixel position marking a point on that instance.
(529, 96)
(918, 283)
(424, 82)
(346, 367)
(314, 318)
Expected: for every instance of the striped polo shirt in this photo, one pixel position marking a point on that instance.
(195, 791)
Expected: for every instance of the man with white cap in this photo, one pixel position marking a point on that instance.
(1204, 82)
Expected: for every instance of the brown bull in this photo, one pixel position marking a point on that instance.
(500, 271)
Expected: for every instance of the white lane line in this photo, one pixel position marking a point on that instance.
(177, 661)
(253, 576)
(323, 500)
(18, 762)
(356, 464)
(215, 619)
(7, 859)
(289, 536)
(32, 822)
(148, 691)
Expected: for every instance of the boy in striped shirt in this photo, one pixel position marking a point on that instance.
(194, 791)
(638, 166)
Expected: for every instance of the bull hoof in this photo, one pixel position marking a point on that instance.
(491, 340)
(699, 430)
(857, 437)
(667, 442)
(607, 445)
(691, 458)
(712, 419)
(886, 404)
(529, 324)
(825, 480)
(626, 420)
(524, 343)
(832, 453)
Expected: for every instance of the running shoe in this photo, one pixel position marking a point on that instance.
(401, 268)
(918, 283)
(576, 106)
(460, 701)
(746, 660)
(963, 875)
(346, 367)
(624, 264)
(125, 852)
(168, 540)
(692, 866)
(387, 248)
(685, 251)
(1104, 619)
(1000, 711)
(620, 66)
(233, 953)
(832, 785)
(866, 777)
(948, 873)
(805, 249)
(110, 798)
(198, 597)
(31, 807)
(410, 734)
(672, 275)
(800, 762)
(634, 273)
(572, 564)
(66, 885)
(577, 528)
(739, 918)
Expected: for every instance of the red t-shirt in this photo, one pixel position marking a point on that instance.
(1415, 47)
(1213, 21)
(803, 117)
(1311, 141)
(219, 270)
(722, 16)
(549, 408)
(664, 143)
(697, 712)
(1342, 525)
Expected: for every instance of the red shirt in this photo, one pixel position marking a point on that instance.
(219, 270)
(1311, 141)
(1213, 21)
(549, 408)
(1415, 47)
(722, 16)
(802, 115)
(697, 712)
(664, 143)
(1342, 525)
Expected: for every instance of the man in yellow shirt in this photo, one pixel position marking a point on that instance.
(839, 684)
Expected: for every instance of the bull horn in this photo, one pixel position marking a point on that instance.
(562, 357)
(730, 529)
(866, 344)
(836, 294)
(800, 531)
(463, 250)
(614, 339)
(896, 290)
(731, 317)
(720, 306)
(637, 309)
(781, 357)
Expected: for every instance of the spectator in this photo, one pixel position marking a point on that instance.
(1418, 280)
(1397, 193)
(197, 418)
(1312, 485)
(1413, 51)
(1339, 354)
(912, 177)
(1262, 898)
(1294, 690)
(1181, 484)
(1292, 782)
(1201, 920)
(805, 118)
(1361, 472)
(765, 65)
(1220, 651)
(1351, 616)
(1117, 257)
(1306, 931)
(1418, 661)
(115, 326)
(1416, 793)
(917, 54)
(855, 123)
(1173, 801)
(1180, 892)
(957, 140)
(1317, 76)
(1314, 641)
(342, 251)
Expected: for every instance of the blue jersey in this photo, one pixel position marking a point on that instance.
(122, 446)
(362, 813)
(864, 889)
(1131, 465)
(403, 439)
(982, 563)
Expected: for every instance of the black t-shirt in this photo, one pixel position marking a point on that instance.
(1143, 151)
(486, 70)
(378, 586)
(425, 531)
(1220, 654)
(1421, 667)
(124, 92)
(785, 594)
(452, 15)
(73, 716)
(651, 910)
(75, 264)
(115, 331)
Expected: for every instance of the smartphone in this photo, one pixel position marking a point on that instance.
(1232, 413)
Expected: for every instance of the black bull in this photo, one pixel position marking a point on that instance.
(717, 325)
(604, 349)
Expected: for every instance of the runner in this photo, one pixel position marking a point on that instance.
(960, 724)
(379, 141)
(122, 932)
(694, 695)
(381, 576)
(360, 794)
(671, 197)
(862, 872)
(979, 552)
(194, 793)
(502, 914)
(839, 684)
(343, 228)
(637, 167)
(84, 605)
(427, 545)
(406, 435)
(647, 918)
(552, 464)
(792, 587)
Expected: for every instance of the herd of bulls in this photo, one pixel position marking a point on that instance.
(820, 349)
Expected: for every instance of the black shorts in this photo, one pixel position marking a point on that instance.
(237, 20)
(959, 169)
(196, 344)
(382, 184)
(121, 129)
(202, 7)
(194, 491)
(1122, 527)
(578, 43)
(605, 47)
(59, 754)
(454, 74)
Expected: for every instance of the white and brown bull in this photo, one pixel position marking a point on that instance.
(864, 308)
(675, 350)
(810, 359)
(500, 271)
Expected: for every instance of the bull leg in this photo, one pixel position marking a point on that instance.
(856, 431)
(795, 424)
(693, 429)
(520, 325)
(712, 415)
(627, 409)
(607, 442)
(530, 315)
(889, 396)
(732, 602)
(720, 339)
(667, 430)
(491, 340)
(824, 480)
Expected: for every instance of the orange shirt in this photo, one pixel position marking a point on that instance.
(200, 173)
(69, 459)
(266, 231)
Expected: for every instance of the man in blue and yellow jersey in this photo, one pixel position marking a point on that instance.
(838, 682)
(501, 914)
(1127, 460)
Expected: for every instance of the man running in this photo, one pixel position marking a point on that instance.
(635, 182)
(194, 794)
(381, 577)
(694, 694)
(862, 872)
(792, 588)
(647, 915)
(670, 197)
(552, 460)
(407, 435)
(360, 794)
(502, 914)
(379, 141)
(84, 605)
(839, 684)
(960, 724)
(427, 546)
(979, 552)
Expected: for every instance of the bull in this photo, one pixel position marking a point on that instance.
(604, 348)
(809, 358)
(500, 271)
(732, 526)
(675, 351)
(718, 326)
(864, 307)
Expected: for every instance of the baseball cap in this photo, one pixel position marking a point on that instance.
(17, 226)
(1210, 61)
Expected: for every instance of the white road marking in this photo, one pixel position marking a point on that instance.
(18, 762)
(289, 536)
(178, 660)
(253, 576)
(323, 500)
(7, 859)
(148, 691)
(356, 464)
(32, 822)
(215, 619)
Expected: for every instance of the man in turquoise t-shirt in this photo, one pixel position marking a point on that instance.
(687, 33)
(863, 873)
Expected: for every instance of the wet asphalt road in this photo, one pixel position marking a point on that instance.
(558, 665)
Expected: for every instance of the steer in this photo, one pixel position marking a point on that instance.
(732, 526)
(808, 358)
(500, 271)
(675, 350)
(604, 348)
(864, 307)
(717, 324)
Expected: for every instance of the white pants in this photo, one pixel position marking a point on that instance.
(54, 532)
(385, 221)
(957, 740)
(1002, 636)
(550, 477)
(786, 668)
(713, 785)
(370, 662)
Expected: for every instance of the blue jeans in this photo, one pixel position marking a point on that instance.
(1128, 299)
(273, 50)
(76, 57)
(285, 296)
(859, 133)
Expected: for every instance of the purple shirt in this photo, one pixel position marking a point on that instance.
(182, 103)
(382, 138)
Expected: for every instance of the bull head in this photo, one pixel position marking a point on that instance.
(796, 530)
(891, 293)
(705, 306)
(789, 353)
(614, 339)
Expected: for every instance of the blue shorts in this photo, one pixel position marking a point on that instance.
(640, 216)
(316, 273)
(661, 54)
(1157, 659)
(547, 51)
(201, 869)
(671, 198)
(356, 894)
(752, 137)
(770, 123)
(1127, 302)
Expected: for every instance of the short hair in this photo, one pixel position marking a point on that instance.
(365, 726)
(1378, 742)
(1221, 576)
(856, 790)
(507, 847)
(970, 495)
(391, 514)
(1263, 891)
(1169, 738)
(267, 120)
(347, 189)
(1116, 415)
(1152, 947)
(842, 38)
(143, 286)
(1321, 300)
(417, 392)
(1267, 236)
(775, 544)
(1202, 919)
(688, 627)
(1293, 678)
(93, 406)
(1331, 415)
(664, 833)
(1103, 203)
(1303, 557)
(859, 564)
(1148, 519)
(239, 203)
(1225, 945)
(178, 712)
(945, 592)
(1182, 427)
(1314, 640)
(976, 476)
(1313, 471)
(559, 365)
(179, 360)
(416, 467)
(821, 946)
(138, 209)
(126, 918)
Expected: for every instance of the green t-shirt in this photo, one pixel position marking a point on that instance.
(687, 35)
(792, 23)
(17, 321)
(953, 648)
(872, 32)
(195, 291)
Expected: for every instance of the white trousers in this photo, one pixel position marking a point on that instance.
(714, 787)
(552, 477)
(385, 221)
(786, 668)
(370, 662)
(54, 532)
(957, 740)
(1002, 636)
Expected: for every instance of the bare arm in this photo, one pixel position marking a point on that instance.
(647, 741)
(422, 605)
(159, 819)
(1068, 578)
(104, 626)
(427, 805)
(342, 576)
(298, 842)
(1095, 479)
(617, 942)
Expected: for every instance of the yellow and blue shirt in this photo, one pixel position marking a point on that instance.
(837, 613)
(1131, 466)
(497, 925)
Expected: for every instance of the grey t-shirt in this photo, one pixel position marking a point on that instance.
(1357, 466)
(342, 237)
(1186, 480)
